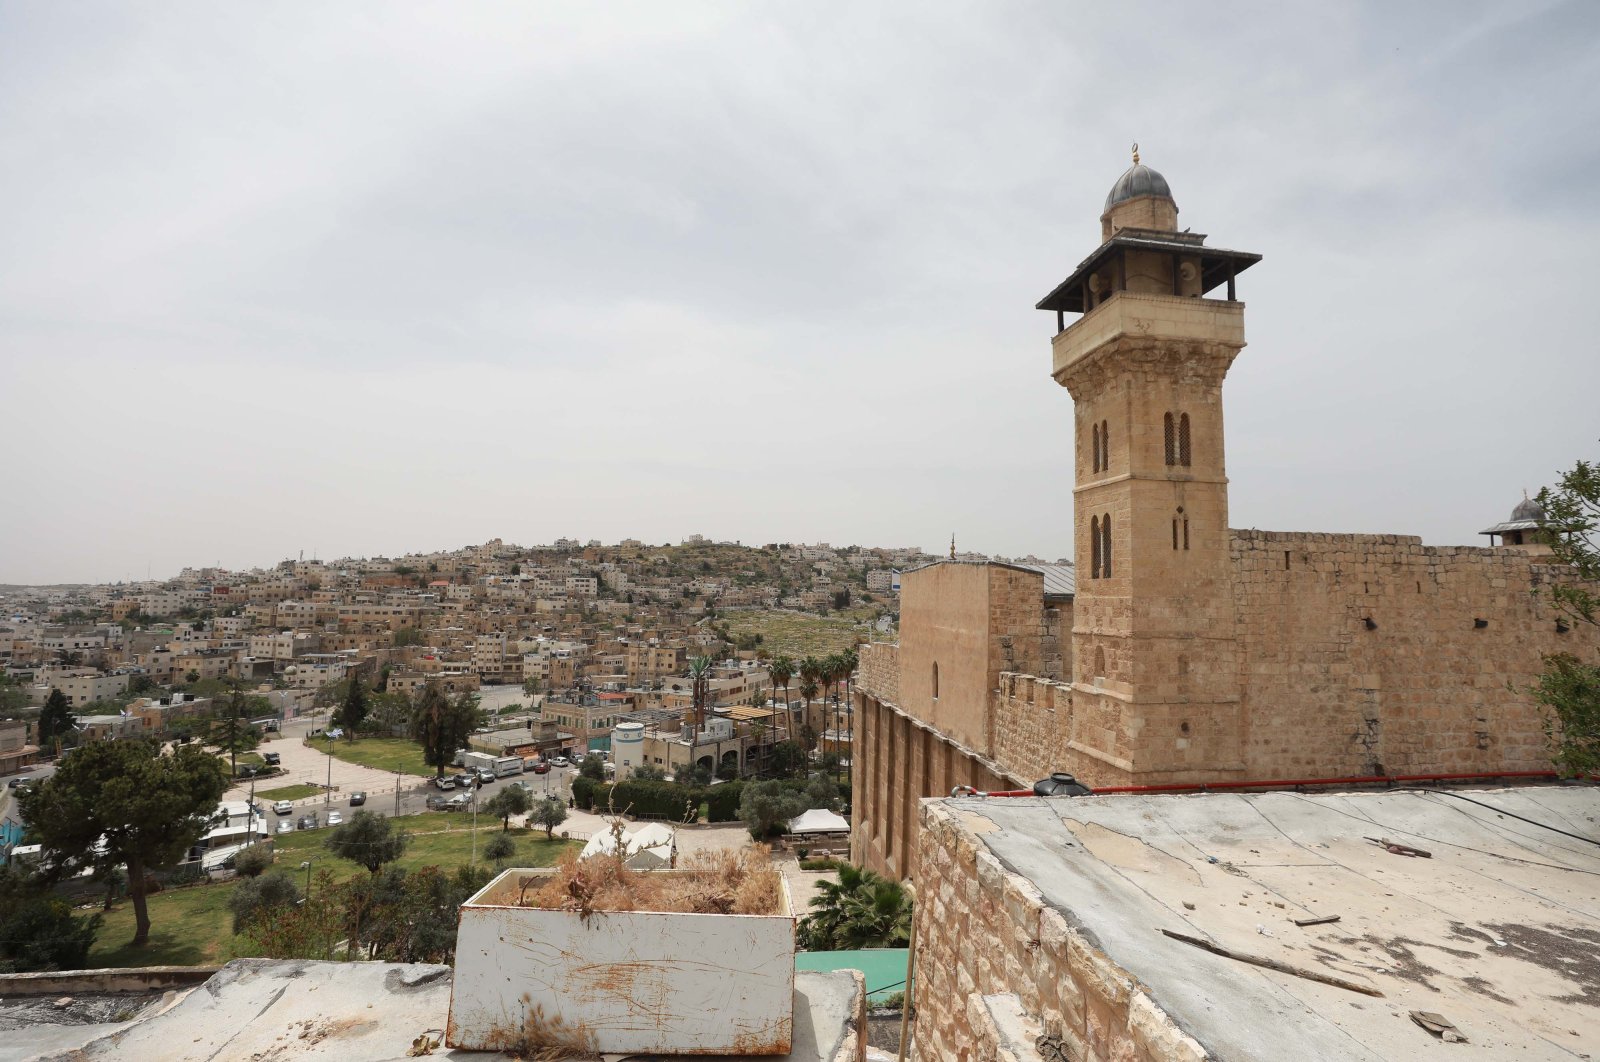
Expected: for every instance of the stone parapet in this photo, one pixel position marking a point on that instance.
(878, 674)
(985, 933)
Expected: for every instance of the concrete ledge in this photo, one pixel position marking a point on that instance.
(136, 979)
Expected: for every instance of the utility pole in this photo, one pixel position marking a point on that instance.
(327, 794)
(397, 793)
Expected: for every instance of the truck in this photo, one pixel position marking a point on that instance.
(504, 766)
(473, 760)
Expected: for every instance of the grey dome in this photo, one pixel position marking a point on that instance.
(1528, 509)
(1137, 181)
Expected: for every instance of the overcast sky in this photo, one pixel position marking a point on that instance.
(369, 278)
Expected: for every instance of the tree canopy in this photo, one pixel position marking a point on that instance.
(548, 812)
(231, 731)
(369, 840)
(1569, 688)
(442, 724)
(512, 800)
(353, 712)
(144, 807)
(860, 910)
(56, 721)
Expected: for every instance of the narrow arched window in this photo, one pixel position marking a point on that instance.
(1174, 532)
(1099, 662)
(1105, 445)
(1094, 547)
(1094, 429)
(1172, 450)
(1105, 545)
(1183, 440)
(1185, 532)
(935, 680)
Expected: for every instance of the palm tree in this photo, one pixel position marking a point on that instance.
(811, 673)
(700, 680)
(782, 670)
(860, 910)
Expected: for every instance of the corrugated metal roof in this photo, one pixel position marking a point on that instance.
(1060, 580)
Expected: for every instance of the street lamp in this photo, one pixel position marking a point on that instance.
(305, 865)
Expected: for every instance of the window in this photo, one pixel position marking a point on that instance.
(935, 680)
(1172, 450)
(1094, 547)
(1094, 429)
(1105, 446)
(1180, 529)
(1183, 440)
(1105, 545)
(1099, 662)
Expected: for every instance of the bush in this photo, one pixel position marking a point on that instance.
(820, 864)
(254, 899)
(501, 847)
(766, 807)
(663, 800)
(722, 802)
(42, 934)
(588, 793)
(253, 861)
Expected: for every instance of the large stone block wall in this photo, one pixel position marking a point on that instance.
(878, 671)
(982, 930)
(1431, 688)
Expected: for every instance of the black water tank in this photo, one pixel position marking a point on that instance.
(1061, 784)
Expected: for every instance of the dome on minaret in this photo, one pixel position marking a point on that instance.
(1528, 509)
(1139, 180)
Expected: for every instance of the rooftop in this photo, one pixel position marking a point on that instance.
(1498, 929)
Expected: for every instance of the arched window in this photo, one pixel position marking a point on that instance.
(1105, 545)
(935, 680)
(1099, 662)
(1183, 440)
(1174, 532)
(1094, 429)
(1172, 449)
(1105, 446)
(1094, 547)
(1185, 532)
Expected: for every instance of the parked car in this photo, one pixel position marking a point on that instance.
(520, 784)
(561, 761)
(357, 799)
(464, 780)
(307, 822)
(283, 807)
(335, 818)
(444, 781)
(459, 802)
(541, 768)
(271, 759)
(17, 783)
(285, 826)
(485, 776)
(435, 802)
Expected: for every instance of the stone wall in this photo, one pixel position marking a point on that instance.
(982, 931)
(1032, 728)
(878, 672)
(1429, 687)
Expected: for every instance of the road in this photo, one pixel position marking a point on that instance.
(387, 794)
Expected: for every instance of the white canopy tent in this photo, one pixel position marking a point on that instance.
(651, 847)
(819, 820)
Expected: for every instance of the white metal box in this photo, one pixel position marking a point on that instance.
(620, 982)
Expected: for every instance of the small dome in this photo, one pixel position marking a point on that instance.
(1528, 509)
(1137, 181)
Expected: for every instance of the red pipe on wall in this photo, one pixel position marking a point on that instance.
(1290, 783)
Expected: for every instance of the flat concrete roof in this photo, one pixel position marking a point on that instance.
(365, 1012)
(1499, 931)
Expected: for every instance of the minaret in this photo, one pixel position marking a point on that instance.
(1156, 681)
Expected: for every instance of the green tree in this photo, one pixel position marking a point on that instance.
(1571, 518)
(860, 910)
(231, 731)
(766, 807)
(1569, 688)
(781, 668)
(143, 809)
(13, 697)
(593, 767)
(353, 712)
(700, 686)
(40, 933)
(56, 721)
(369, 840)
(549, 812)
(512, 800)
(257, 899)
(646, 772)
(500, 848)
(390, 713)
(787, 759)
(407, 636)
(442, 724)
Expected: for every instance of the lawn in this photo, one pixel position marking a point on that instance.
(798, 633)
(289, 792)
(384, 754)
(193, 927)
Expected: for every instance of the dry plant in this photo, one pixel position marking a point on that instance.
(738, 881)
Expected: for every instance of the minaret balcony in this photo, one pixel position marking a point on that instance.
(1143, 315)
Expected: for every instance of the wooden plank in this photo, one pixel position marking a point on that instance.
(1273, 964)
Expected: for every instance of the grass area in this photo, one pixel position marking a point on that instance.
(798, 633)
(289, 792)
(193, 927)
(384, 754)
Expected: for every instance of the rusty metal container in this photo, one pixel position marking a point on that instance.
(619, 982)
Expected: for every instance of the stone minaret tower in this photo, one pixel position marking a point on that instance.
(1155, 673)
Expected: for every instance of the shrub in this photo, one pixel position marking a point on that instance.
(255, 898)
(253, 861)
(722, 802)
(501, 847)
